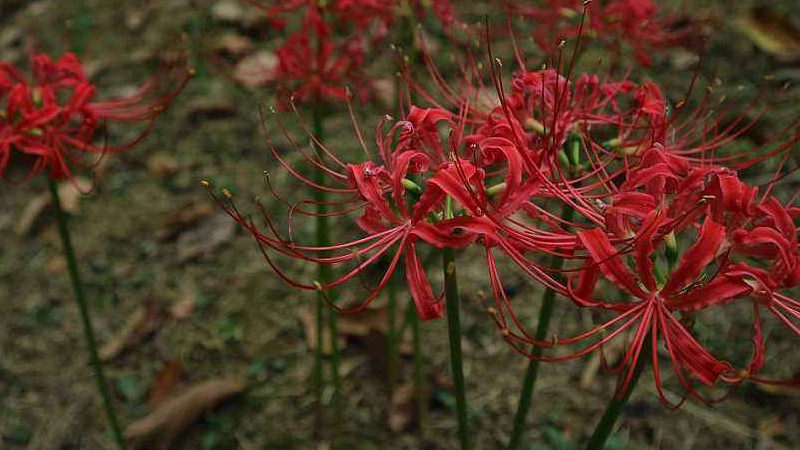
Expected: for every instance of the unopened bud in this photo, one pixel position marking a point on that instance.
(411, 186)
(672, 250)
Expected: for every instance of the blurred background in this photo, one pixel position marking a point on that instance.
(182, 297)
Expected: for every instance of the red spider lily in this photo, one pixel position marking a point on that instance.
(53, 118)
(318, 73)
(659, 201)
(323, 57)
(396, 214)
(636, 23)
(360, 13)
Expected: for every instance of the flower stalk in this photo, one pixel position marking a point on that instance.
(453, 307)
(83, 308)
(418, 382)
(532, 373)
(393, 338)
(323, 239)
(617, 404)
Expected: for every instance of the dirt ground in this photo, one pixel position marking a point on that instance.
(180, 295)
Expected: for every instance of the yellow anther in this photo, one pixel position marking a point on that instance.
(491, 311)
(506, 332)
(227, 193)
(205, 183)
(317, 285)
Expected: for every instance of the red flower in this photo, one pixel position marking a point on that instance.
(636, 23)
(327, 53)
(53, 118)
(744, 249)
(396, 213)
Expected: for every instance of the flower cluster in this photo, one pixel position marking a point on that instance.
(638, 185)
(326, 53)
(635, 23)
(651, 200)
(52, 118)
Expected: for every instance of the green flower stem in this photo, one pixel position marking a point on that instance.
(617, 404)
(318, 378)
(80, 26)
(528, 385)
(83, 308)
(198, 28)
(453, 307)
(419, 369)
(323, 239)
(392, 358)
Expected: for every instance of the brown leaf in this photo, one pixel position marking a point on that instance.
(70, 193)
(206, 237)
(308, 319)
(55, 265)
(168, 421)
(187, 216)
(162, 165)
(230, 11)
(771, 32)
(140, 325)
(385, 91)
(361, 324)
(233, 45)
(184, 307)
(36, 211)
(611, 351)
(33, 215)
(165, 383)
(257, 69)
(402, 411)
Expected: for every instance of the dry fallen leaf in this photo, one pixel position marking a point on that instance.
(206, 237)
(32, 215)
(771, 32)
(184, 306)
(160, 428)
(230, 11)
(611, 351)
(140, 325)
(165, 383)
(233, 45)
(187, 216)
(402, 411)
(256, 69)
(35, 212)
(162, 165)
(385, 91)
(307, 318)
